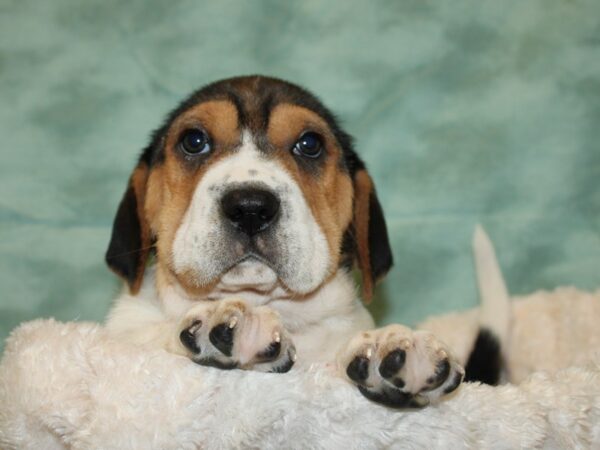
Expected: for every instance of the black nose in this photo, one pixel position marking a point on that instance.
(250, 210)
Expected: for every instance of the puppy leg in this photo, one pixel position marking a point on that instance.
(231, 334)
(399, 367)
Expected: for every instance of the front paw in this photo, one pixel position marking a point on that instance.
(400, 368)
(231, 334)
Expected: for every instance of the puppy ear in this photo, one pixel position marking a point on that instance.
(130, 242)
(373, 250)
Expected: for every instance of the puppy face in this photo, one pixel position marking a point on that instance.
(250, 184)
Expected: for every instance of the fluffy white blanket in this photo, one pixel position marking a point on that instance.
(68, 385)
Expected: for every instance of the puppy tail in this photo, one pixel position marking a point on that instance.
(485, 362)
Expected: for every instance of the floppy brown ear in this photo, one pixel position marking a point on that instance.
(373, 250)
(130, 242)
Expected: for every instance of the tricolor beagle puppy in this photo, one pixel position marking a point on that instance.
(237, 235)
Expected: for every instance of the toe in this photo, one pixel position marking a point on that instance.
(221, 336)
(392, 363)
(456, 380)
(188, 337)
(442, 371)
(394, 398)
(284, 366)
(270, 353)
(358, 369)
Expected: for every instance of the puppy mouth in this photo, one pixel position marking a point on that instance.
(250, 252)
(251, 272)
(254, 266)
(260, 249)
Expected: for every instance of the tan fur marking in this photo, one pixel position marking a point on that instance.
(363, 187)
(138, 183)
(172, 184)
(217, 117)
(329, 195)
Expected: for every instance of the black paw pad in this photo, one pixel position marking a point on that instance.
(283, 368)
(214, 362)
(358, 369)
(188, 338)
(398, 382)
(391, 398)
(221, 337)
(442, 371)
(458, 377)
(392, 363)
(271, 352)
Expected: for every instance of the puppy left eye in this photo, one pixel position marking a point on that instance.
(310, 145)
(195, 142)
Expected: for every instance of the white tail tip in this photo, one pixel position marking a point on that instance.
(495, 302)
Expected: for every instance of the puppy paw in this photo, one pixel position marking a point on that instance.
(399, 367)
(231, 334)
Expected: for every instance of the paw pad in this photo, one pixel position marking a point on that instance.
(232, 334)
(358, 369)
(188, 337)
(392, 363)
(401, 368)
(221, 336)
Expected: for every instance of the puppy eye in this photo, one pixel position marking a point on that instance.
(310, 145)
(195, 142)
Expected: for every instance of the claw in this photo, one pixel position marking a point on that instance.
(277, 336)
(196, 324)
(233, 322)
(405, 344)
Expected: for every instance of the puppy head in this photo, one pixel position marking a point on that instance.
(249, 184)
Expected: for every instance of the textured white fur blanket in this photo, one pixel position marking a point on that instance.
(68, 385)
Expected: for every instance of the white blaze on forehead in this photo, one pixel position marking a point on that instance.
(297, 248)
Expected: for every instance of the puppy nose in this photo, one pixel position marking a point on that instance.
(250, 210)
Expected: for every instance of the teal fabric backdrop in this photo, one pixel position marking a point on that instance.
(466, 112)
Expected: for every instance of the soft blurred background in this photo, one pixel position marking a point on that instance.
(465, 111)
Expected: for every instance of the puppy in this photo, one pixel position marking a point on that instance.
(237, 235)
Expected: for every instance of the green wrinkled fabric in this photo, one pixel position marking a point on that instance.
(466, 112)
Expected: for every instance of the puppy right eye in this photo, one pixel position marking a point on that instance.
(309, 145)
(195, 142)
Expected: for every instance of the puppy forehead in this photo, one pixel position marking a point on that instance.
(222, 119)
(219, 117)
(287, 121)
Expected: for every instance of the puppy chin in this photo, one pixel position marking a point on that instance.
(302, 284)
(250, 274)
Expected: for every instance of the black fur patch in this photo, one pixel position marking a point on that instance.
(380, 251)
(123, 254)
(485, 360)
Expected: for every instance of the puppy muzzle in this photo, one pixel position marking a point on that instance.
(250, 210)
